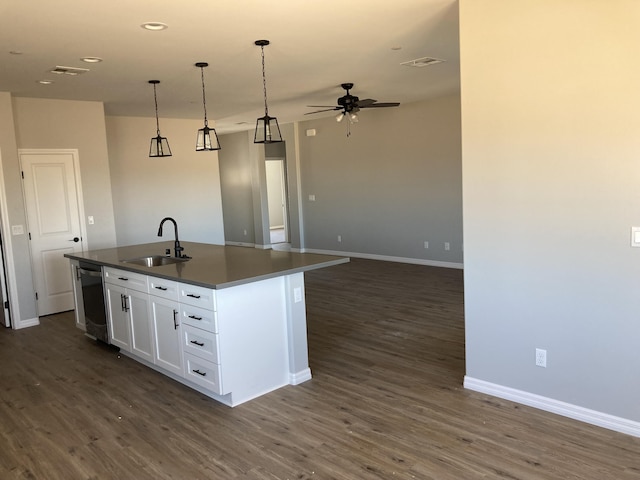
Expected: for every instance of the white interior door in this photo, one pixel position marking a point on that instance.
(54, 221)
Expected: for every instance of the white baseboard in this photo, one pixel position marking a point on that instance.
(240, 244)
(386, 258)
(300, 377)
(29, 322)
(576, 412)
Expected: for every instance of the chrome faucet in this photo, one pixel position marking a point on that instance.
(177, 247)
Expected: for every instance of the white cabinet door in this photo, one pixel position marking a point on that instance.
(141, 325)
(167, 333)
(119, 330)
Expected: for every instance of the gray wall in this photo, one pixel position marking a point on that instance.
(244, 187)
(185, 186)
(46, 123)
(551, 173)
(16, 210)
(43, 123)
(392, 185)
(235, 186)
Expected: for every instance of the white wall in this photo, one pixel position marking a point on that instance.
(185, 186)
(551, 182)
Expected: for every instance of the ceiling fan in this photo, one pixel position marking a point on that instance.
(349, 106)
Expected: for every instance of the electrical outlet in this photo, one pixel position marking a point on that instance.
(91, 220)
(447, 246)
(541, 358)
(426, 244)
(339, 238)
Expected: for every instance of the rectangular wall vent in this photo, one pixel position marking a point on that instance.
(422, 62)
(59, 70)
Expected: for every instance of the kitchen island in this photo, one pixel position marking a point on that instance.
(229, 322)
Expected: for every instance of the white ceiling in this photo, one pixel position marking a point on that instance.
(314, 48)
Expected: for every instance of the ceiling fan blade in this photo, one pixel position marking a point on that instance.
(325, 110)
(379, 105)
(323, 106)
(366, 102)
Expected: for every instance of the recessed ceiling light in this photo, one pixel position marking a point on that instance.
(154, 26)
(45, 82)
(396, 48)
(15, 52)
(91, 59)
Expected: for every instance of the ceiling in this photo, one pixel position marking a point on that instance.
(314, 48)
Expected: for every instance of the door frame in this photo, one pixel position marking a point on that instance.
(13, 312)
(78, 188)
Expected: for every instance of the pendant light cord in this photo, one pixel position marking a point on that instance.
(155, 98)
(204, 101)
(264, 84)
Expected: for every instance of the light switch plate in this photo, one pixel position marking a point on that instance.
(635, 236)
(17, 230)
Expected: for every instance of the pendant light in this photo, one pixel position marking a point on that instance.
(159, 145)
(205, 140)
(267, 129)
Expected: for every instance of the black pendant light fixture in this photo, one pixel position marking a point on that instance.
(159, 145)
(207, 137)
(267, 129)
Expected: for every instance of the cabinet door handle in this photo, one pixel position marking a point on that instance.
(175, 319)
(192, 295)
(194, 317)
(195, 342)
(203, 374)
(161, 288)
(122, 302)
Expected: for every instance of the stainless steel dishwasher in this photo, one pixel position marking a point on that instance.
(95, 315)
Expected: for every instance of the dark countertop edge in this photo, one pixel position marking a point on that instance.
(153, 271)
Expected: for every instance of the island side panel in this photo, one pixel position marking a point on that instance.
(253, 338)
(299, 370)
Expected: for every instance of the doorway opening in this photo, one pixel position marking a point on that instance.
(277, 200)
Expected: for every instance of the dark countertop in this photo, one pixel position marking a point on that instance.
(211, 266)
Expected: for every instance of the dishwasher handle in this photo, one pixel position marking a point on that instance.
(91, 273)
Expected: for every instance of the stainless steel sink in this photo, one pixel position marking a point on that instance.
(155, 260)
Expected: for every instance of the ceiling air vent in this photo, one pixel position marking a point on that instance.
(422, 62)
(68, 70)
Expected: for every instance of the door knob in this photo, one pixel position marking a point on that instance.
(75, 239)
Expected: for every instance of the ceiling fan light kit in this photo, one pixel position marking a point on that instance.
(205, 141)
(349, 106)
(159, 145)
(267, 128)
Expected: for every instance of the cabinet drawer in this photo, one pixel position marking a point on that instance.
(199, 318)
(205, 374)
(163, 288)
(200, 343)
(134, 281)
(197, 296)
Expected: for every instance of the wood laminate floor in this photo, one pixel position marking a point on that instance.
(386, 401)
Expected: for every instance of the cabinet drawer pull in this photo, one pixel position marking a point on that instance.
(161, 288)
(195, 342)
(192, 295)
(194, 317)
(125, 279)
(203, 374)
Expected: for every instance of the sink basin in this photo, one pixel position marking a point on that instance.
(155, 260)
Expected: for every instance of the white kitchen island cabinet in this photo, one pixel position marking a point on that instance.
(229, 323)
